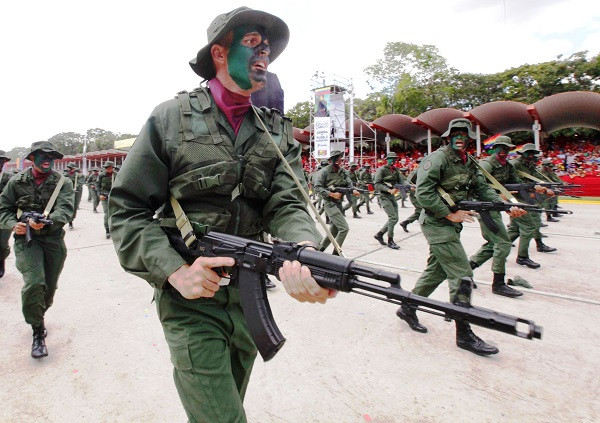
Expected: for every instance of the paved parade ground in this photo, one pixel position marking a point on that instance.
(351, 360)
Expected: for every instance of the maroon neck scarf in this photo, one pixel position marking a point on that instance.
(39, 177)
(235, 106)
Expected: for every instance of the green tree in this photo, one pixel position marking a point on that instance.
(300, 114)
(68, 143)
(100, 139)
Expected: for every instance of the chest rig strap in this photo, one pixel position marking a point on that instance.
(185, 113)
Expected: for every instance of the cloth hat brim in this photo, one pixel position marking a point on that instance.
(276, 30)
(457, 126)
(55, 153)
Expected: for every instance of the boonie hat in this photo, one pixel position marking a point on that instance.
(108, 164)
(529, 147)
(503, 140)
(46, 147)
(276, 31)
(459, 124)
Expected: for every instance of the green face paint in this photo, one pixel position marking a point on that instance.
(40, 160)
(248, 43)
(390, 162)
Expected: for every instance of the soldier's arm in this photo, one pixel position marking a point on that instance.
(378, 182)
(8, 206)
(142, 187)
(285, 213)
(428, 179)
(319, 183)
(483, 190)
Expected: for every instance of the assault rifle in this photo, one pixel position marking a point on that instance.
(485, 207)
(255, 260)
(347, 191)
(528, 193)
(37, 218)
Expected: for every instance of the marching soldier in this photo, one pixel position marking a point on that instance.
(78, 180)
(412, 180)
(386, 177)
(352, 199)
(44, 191)
(451, 172)
(331, 176)
(91, 182)
(551, 203)
(498, 244)
(528, 227)
(4, 233)
(103, 187)
(365, 177)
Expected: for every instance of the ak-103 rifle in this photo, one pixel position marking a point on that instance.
(485, 207)
(254, 260)
(528, 193)
(37, 218)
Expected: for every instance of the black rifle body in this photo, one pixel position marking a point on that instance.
(255, 260)
(37, 218)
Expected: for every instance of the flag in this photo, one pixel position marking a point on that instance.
(487, 144)
(514, 153)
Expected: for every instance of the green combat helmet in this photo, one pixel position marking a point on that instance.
(276, 30)
(460, 123)
(72, 165)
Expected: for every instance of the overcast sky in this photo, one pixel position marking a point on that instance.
(75, 65)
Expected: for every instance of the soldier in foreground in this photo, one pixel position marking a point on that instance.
(49, 195)
(386, 178)
(449, 170)
(179, 154)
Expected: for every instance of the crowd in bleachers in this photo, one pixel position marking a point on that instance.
(570, 157)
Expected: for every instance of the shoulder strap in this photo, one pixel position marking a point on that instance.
(183, 223)
(495, 183)
(528, 176)
(54, 196)
(185, 114)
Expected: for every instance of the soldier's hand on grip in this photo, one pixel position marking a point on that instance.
(462, 216)
(299, 283)
(199, 280)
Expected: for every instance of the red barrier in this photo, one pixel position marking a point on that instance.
(590, 188)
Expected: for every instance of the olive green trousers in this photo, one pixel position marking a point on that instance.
(497, 246)
(390, 207)
(525, 228)
(447, 260)
(339, 226)
(211, 351)
(415, 216)
(4, 247)
(40, 264)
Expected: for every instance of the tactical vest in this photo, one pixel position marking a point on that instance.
(390, 178)
(458, 180)
(105, 183)
(218, 188)
(365, 177)
(501, 173)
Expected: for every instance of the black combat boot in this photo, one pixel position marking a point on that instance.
(526, 261)
(356, 216)
(499, 287)
(392, 244)
(38, 348)
(404, 225)
(409, 315)
(269, 284)
(2, 269)
(473, 264)
(108, 234)
(467, 340)
(369, 211)
(549, 218)
(543, 248)
(70, 225)
(379, 237)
